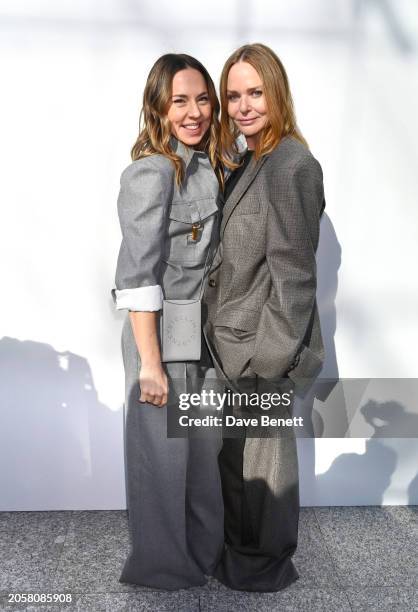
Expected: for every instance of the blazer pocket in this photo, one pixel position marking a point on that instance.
(239, 319)
(234, 347)
(190, 225)
(248, 205)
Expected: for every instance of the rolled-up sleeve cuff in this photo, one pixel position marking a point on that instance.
(139, 299)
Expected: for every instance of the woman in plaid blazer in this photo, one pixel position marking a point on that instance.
(262, 321)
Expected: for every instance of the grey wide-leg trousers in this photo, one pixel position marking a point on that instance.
(173, 485)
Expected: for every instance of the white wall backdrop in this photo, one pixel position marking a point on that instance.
(72, 78)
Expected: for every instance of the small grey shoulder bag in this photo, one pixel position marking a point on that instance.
(181, 322)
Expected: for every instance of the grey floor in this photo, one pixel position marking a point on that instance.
(349, 558)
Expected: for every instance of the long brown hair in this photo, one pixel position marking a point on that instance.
(281, 120)
(154, 127)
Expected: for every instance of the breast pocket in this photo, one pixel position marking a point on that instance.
(191, 225)
(249, 205)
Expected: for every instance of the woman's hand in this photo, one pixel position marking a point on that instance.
(153, 383)
(152, 377)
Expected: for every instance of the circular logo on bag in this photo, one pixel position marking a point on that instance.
(182, 330)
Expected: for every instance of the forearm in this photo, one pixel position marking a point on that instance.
(144, 327)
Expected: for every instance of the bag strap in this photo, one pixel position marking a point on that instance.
(204, 271)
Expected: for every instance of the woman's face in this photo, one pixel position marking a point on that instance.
(246, 101)
(190, 110)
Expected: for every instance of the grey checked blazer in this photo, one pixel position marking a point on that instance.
(260, 300)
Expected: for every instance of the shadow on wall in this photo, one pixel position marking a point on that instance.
(352, 478)
(413, 491)
(364, 478)
(358, 479)
(59, 446)
(328, 263)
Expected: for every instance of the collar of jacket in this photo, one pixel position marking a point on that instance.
(186, 153)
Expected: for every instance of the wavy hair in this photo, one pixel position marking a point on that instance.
(154, 126)
(281, 120)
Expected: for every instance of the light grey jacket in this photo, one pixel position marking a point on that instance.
(159, 257)
(261, 312)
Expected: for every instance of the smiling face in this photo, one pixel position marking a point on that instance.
(190, 110)
(247, 105)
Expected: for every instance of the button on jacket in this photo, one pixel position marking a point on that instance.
(162, 255)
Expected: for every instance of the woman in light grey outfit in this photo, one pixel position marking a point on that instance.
(168, 211)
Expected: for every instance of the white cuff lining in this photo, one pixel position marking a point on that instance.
(140, 299)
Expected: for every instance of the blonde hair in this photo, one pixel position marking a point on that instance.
(281, 120)
(154, 126)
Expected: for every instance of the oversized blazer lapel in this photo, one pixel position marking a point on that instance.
(240, 188)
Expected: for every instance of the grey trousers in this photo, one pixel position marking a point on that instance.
(261, 499)
(173, 485)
